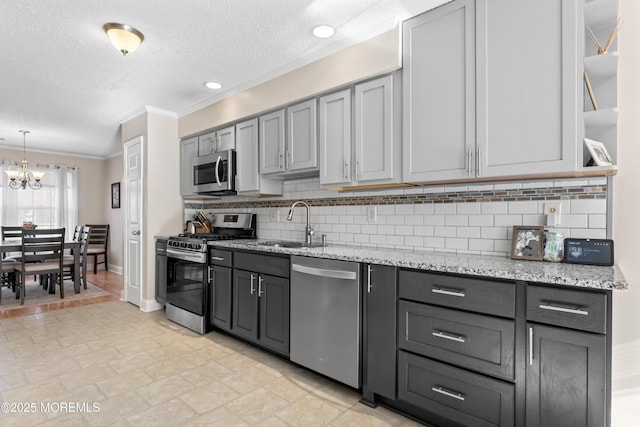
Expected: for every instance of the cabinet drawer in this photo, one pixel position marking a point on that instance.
(570, 308)
(220, 257)
(266, 264)
(460, 396)
(465, 293)
(477, 342)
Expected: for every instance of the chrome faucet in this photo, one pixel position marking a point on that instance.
(308, 231)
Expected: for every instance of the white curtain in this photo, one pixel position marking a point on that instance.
(54, 205)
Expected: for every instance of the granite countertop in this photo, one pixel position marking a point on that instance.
(585, 276)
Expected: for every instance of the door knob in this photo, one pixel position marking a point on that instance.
(135, 233)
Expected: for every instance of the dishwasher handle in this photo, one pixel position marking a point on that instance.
(323, 272)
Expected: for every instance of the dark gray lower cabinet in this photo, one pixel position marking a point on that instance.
(220, 295)
(566, 377)
(161, 271)
(457, 395)
(380, 319)
(261, 309)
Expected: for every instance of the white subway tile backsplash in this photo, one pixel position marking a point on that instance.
(445, 208)
(589, 206)
(495, 207)
(456, 220)
(456, 243)
(481, 220)
(476, 227)
(444, 231)
(597, 221)
(468, 232)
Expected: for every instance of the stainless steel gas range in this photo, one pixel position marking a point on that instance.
(189, 272)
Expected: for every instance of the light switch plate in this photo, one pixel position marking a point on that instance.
(372, 214)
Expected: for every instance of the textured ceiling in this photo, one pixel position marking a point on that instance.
(61, 78)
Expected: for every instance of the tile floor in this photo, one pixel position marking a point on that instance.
(111, 364)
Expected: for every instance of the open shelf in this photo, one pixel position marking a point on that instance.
(602, 66)
(600, 13)
(607, 117)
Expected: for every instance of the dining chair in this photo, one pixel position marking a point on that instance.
(11, 232)
(7, 275)
(42, 254)
(76, 232)
(69, 261)
(98, 241)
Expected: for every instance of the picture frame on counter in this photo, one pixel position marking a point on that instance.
(598, 152)
(527, 242)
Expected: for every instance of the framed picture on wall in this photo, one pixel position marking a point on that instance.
(527, 242)
(115, 195)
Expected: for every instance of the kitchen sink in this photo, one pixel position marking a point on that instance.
(288, 244)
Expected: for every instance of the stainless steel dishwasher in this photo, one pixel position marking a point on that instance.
(325, 317)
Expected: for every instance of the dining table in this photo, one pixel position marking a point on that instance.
(15, 245)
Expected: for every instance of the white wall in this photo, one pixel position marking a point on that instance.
(626, 224)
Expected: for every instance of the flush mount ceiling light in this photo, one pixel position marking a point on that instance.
(212, 85)
(124, 37)
(323, 31)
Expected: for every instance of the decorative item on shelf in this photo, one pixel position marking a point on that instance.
(23, 177)
(124, 37)
(590, 90)
(554, 246)
(614, 32)
(598, 152)
(29, 225)
(115, 195)
(527, 242)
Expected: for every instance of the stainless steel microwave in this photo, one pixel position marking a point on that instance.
(215, 174)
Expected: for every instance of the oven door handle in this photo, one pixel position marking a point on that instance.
(196, 257)
(218, 171)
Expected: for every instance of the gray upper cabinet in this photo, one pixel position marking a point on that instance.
(335, 138)
(272, 138)
(188, 154)
(439, 93)
(361, 145)
(220, 140)
(249, 181)
(376, 133)
(528, 82)
(486, 93)
(302, 137)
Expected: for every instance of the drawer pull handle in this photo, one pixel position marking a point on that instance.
(448, 393)
(451, 337)
(217, 258)
(564, 309)
(450, 292)
(530, 346)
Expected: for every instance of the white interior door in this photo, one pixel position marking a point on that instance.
(133, 220)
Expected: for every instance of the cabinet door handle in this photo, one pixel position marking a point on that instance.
(530, 346)
(571, 310)
(209, 272)
(357, 169)
(346, 170)
(450, 292)
(478, 162)
(448, 393)
(469, 156)
(451, 337)
(280, 161)
(253, 288)
(288, 157)
(217, 258)
(369, 269)
(260, 292)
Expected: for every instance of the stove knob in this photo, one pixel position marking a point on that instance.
(183, 244)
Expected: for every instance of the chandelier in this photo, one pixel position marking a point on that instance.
(22, 178)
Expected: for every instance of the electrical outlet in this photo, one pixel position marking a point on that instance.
(372, 214)
(553, 211)
(275, 215)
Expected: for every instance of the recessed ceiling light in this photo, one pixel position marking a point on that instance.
(323, 31)
(213, 85)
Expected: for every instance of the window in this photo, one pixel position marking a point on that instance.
(54, 205)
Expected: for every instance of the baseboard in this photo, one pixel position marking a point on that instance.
(148, 305)
(112, 268)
